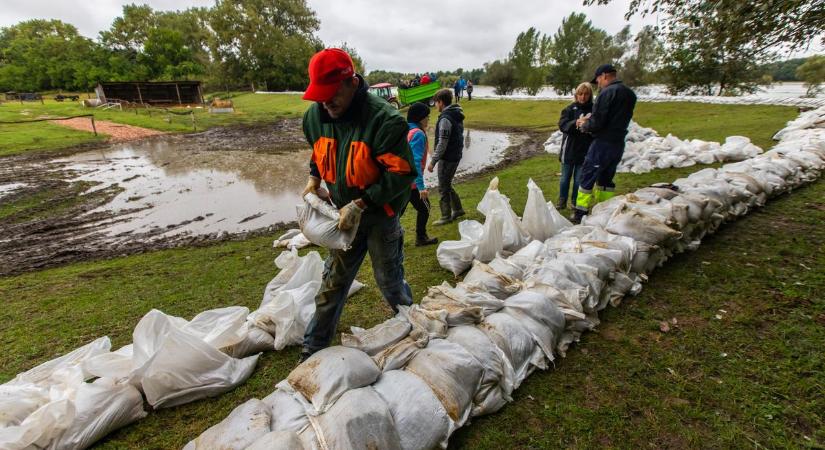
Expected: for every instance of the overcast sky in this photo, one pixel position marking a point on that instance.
(409, 36)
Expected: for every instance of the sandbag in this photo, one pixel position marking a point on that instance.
(420, 418)
(514, 234)
(399, 354)
(433, 323)
(641, 227)
(327, 374)
(492, 238)
(452, 373)
(100, 408)
(470, 295)
(358, 420)
(278, 440)
(540, 316)
(455, 256)
(541, 219)
(498, 379)
(497, 284)
(240, 429)
(458, 312)
(318, 221)
(516, 343)
(288, 414)
(377, 338)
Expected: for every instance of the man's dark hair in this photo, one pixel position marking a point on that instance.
(444, 96)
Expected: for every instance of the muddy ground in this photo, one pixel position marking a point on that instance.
(51, 222)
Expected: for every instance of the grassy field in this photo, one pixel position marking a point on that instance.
(685, 120)
(754, 377)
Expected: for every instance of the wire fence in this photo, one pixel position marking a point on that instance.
(50, 119)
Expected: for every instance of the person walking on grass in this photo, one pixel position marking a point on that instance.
(359, 148)
(469, 90)
(457, 88)
(449, 148)
(574, 144)
(418, 117)
(608, 123)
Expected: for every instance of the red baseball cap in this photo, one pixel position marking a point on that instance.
(327, 69)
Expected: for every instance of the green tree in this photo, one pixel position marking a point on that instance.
(812, 72)
(45, 54)
(639, 67)
(268, 42)
(530, 58)
(571, 53)
(502, 76)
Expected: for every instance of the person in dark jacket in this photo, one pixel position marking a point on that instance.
(469, 90)
(417, 117)
(449, 148)
(608, 123)
(360, 150)
(574, 144)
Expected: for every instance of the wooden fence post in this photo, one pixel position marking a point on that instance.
(94, 128)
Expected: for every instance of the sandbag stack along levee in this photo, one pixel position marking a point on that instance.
(410, 381)
(74, 400)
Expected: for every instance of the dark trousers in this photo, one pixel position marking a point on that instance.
(469, 95)
(383, 239)
(568, 172)
(450, 203)
(422, 208)
(599, 168)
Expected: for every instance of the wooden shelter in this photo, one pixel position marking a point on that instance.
(151, 92)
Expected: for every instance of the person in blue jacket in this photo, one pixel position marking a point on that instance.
(418, 117)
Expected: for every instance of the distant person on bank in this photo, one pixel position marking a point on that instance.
(449, 148)
(418, 117)
(469, 90)
(608, 124)
(574, 143)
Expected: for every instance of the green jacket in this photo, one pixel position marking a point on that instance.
(363, 154)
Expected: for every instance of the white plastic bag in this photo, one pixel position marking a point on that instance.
(541, 219)
(515, 236)
(455, 256)
(319, 224)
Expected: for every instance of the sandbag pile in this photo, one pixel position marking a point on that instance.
(76, 399)
(645, 150)
(410, 381)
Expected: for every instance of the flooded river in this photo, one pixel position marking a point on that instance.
(169, 190)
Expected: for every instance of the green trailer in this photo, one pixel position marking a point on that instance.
(422, 93)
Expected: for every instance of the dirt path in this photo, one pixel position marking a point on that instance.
(118, 132)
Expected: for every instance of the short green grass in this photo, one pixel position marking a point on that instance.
(753, 378)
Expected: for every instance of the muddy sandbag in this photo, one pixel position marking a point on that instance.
(420, 418)
(319, 224)
(399, 354)
(528, 255)
(278, 440)
(497, 284)
(327, 374)
(541, 219)
(517, 344)
(243, 426)
(288, 414)
(470, 295)
(377, 338)
(359, 420)
(255, 340)
(507, 267)
(540, 316)
(498, 379)
(431, 322)
(100, 408)
(641, 227)
(452, 373)
(458, 312)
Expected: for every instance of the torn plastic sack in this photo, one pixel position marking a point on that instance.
(420, 418)
(452, 373)
(358, 420)
(319, 223)
(327, 374)
(242, 427)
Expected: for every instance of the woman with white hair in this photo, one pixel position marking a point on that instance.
(574, 144)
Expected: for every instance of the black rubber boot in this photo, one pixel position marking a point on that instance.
(425, 240)
(578, 216)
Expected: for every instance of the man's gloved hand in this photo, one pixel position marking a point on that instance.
(350, 216)
(313, 183)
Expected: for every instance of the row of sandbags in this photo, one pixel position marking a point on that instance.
(645, 150)
(410, 381)
(74, 400)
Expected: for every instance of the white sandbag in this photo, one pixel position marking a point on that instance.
(469, 295)
(18, 401)
(377, 338)
(541, 219)
(174, 366)
(358, 420)
(100, 408)
(420, 418)
(399, 354)
(458, 312)
(319, 223)
(492, 238)
(515, 236)
(455, 256)
(452, 373)
(287, 313)
(71, 364)
(278, 440)
(40, 427)
(288, 414)
(516, 343)
(295, 271)
(507, 267)
(641, 227)
(498, 379)
(528, 255)
(221, 327)
(242, 427)
(540, 316)
(327, 374)
(255, 340)
(497, 284)
(431, 323)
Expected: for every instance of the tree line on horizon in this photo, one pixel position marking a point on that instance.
(720, 47)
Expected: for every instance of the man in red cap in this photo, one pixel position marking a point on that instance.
(360, 150)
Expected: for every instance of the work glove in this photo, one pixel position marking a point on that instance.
(350, 216)
(313, 183)
(423, 194)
